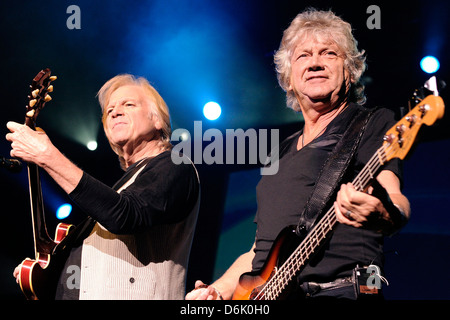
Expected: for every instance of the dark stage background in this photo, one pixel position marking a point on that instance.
(197, 51)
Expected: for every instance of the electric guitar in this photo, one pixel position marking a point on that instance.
(289, 253)
(38, 276)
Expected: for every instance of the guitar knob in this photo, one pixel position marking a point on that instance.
(50, 88)
(47, 98)
(53, 78)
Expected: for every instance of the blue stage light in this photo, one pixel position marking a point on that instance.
(429, 64)
(63, 211)
(212, 110)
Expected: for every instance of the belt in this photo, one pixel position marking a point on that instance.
(312, 288)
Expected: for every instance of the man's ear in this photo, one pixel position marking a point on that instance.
(157, 120)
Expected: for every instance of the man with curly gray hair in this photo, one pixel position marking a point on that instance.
(320, 67)
(316, 24)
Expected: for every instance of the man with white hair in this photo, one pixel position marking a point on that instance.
(136, 241)
(319, 66)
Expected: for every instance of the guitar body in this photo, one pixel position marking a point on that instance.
(38, 277)
(250, 283)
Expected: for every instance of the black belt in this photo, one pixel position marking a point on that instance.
(365, 281)
(312, 288)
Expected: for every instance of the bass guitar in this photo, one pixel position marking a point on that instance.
(38, 276)
(289, 254)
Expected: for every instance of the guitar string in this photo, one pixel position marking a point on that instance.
(363, 178)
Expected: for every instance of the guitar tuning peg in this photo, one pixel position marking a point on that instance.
(53, 78)
(35, 93)
(47, 98)
(32, 103)
(30, 113)
(50, 88)
(411, 119)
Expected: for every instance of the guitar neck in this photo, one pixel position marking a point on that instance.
(42, 241)
(38, 96)
(292, 266)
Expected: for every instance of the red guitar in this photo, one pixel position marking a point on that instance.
(288, 255)
(38, 276)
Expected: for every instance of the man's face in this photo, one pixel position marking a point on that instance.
(318, 72)
(129, 118)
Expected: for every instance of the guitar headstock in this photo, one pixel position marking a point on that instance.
(400, 138)
(39, 96)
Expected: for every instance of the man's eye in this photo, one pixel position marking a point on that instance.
(331, 53)
(302, 55)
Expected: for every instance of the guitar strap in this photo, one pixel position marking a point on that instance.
(333, 171)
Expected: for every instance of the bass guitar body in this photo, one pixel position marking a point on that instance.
(38, 277)
(252, 284)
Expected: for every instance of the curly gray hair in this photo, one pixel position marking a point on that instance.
(315, 22)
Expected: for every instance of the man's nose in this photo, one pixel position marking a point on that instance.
(117, 110)
(316, 63)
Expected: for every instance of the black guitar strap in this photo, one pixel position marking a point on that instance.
(333, 171)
